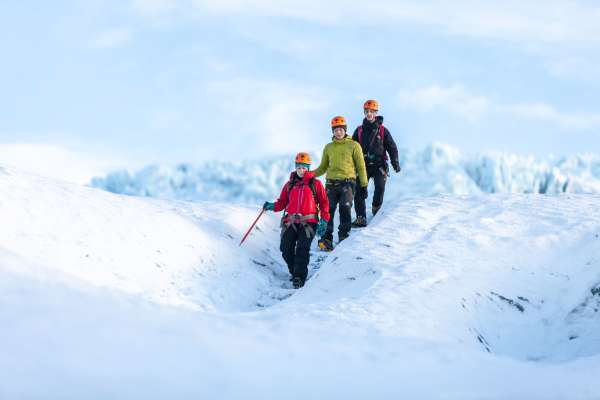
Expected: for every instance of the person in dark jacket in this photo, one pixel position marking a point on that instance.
(377, 145)
(303, 198)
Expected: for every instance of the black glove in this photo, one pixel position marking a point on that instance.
(365, 192)
(396, 167)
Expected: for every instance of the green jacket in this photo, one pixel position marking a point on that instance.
(343, 159)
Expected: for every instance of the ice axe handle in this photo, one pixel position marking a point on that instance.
(252, 226)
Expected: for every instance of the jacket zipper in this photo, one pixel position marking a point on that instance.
(300, 197)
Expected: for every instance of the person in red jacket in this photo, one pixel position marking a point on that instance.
(303, 199)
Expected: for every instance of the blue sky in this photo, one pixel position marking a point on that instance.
(135, 82)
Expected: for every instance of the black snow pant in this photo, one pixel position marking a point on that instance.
(295, 248)
(379, 175)
(340, 192)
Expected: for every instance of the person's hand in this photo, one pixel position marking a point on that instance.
(321, 227)
(268, 206)
(365, 192)
(396, 167)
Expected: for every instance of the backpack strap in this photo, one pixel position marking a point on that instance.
(381, 135)
(290, 186)
(311, 185)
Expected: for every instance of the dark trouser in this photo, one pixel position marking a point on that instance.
(295, 247)
(379, 178)
(340, 192)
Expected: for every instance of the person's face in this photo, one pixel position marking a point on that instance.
(339, 133)
(301, 170)
(370, 115)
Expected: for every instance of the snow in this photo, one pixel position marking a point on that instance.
(437, 169)
(491, 296)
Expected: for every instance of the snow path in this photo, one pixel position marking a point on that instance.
(106, 296)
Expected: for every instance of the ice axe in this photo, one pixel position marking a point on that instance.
(252, 226)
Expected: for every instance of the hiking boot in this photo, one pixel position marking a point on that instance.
(342, 237)
(297, 282)
(359, 222)
(375, 209)
(325, 245)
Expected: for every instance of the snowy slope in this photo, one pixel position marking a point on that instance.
(437, 169)
(169, 253)
(109, 296)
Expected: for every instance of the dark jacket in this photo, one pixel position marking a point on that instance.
(375, 153)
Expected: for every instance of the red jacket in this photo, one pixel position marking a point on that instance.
(300, 199)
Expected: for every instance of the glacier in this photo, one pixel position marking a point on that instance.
(437, 169)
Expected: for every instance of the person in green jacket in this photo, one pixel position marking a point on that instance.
(343, 161)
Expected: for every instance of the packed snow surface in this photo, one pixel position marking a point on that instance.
(440, 297)
(438, 169)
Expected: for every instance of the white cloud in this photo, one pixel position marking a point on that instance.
(266, 116)
(458, 100)
(547, 21)
(217, 65)
(164, 119)
(548, 113)
(55, 161)
(156, 7)
(455, 99)
(112, 38)
(552, 29)
(583, 68)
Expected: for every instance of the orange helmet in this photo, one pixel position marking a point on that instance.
(303, 158)
(338, 121)
(371, 105)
